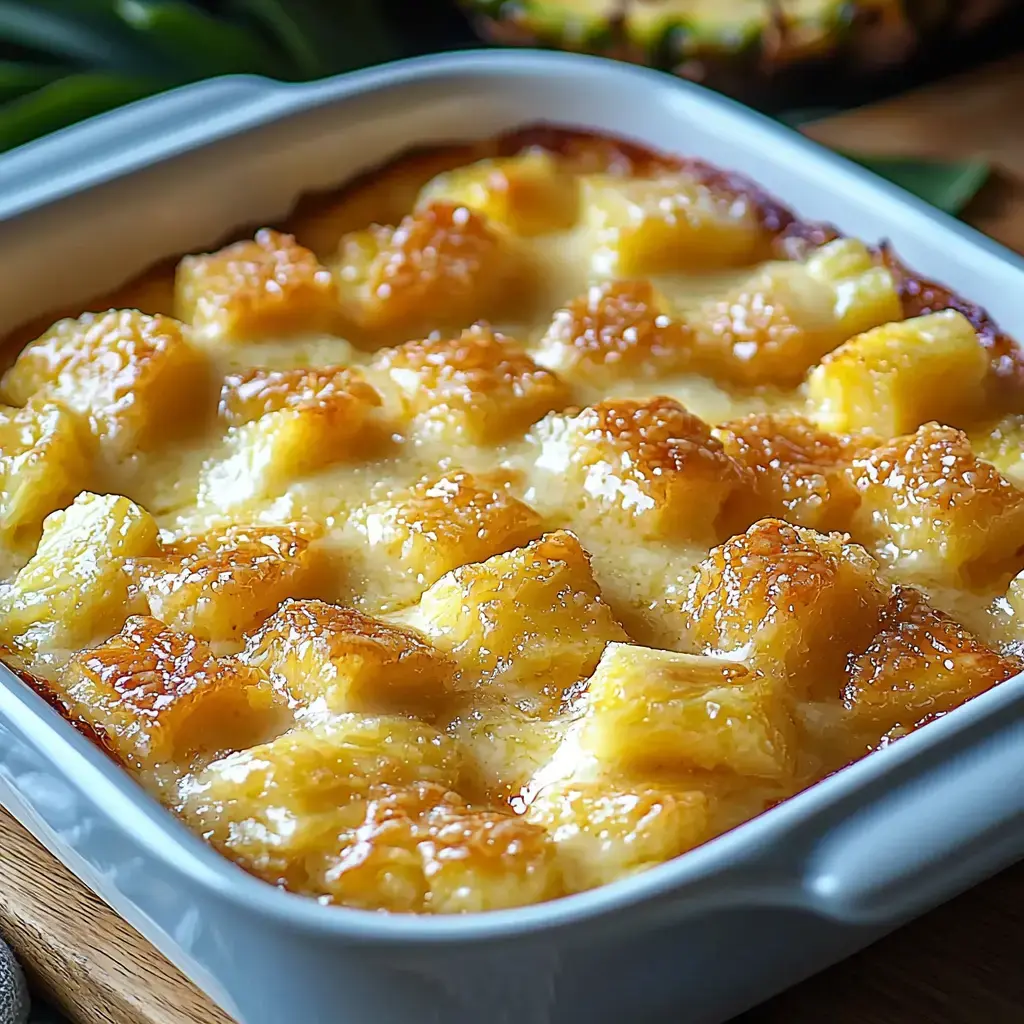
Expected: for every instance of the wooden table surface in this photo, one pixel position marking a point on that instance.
(958, 965)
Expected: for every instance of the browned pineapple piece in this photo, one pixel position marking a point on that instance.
(530, 193)
(75, 590)
(423, 849)
(443, 266)
(648, 710)
(619, 328)
(359, 809)
(781, 321)
(646, 464)
(335, 659)
(477, 388)
(533, 616)
(798, 470)
(935, 512)
(267, 287)
(45, 460)
(898, 376)
(604, 832)
(225, 583)
(286, 423)
(442, 523)
(791, 600)
(161, 698)
(643, 226)
(136, 377)
(921, 664)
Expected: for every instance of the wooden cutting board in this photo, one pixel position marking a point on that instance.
(956, 965)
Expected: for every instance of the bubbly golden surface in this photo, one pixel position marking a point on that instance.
(517, 518)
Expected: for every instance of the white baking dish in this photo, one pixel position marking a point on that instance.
(695, 940)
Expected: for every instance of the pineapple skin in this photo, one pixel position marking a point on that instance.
(734, 52)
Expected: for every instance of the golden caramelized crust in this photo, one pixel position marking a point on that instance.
(672, 221)
(532, 617)
(135, 377)
(266, 287)
(425, 850)
(223, 584)
(160, 698)
(900, 375)
(74, 590)
(650, 464)
(443, 266)
(776, 325)
(476, 388)
(333, 392)
(648, 711)
(935, 512)
(360, 650)
(603, 831)
(789, 600)
(529, 193)
(799, 471)
(921, 664)
(618, 328)
(46, 454)
(333, 659)
(285, 424)
(442, 523)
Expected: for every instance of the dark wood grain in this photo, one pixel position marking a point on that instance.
(958, 965)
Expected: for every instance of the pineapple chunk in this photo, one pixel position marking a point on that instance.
(334, 659)
(135, 377)
(781, 321)
(478, 388)
(440, 524)
(790, 600)
(615, 329)
(75, 588)
(358, 809)
(673, 222)
(604, 832)
(647, 465)
(533, 617)
(798, 471)
(286, 423)
(1003, 446)
(427, 850)
(45, 460)
(529, 193)
(225, 583)
(161, 698)
(504, 746)
(896, 377)
(269, 287)
(443, 266)
(277, 807)
(935, 512)
(921, 664)
(649, 711)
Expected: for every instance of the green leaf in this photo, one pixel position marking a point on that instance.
(17, 79)
(199, 41)
(324, 38)
(65, 102)
(947, 184)
(87, 32)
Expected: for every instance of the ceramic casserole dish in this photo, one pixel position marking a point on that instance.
(699, 938)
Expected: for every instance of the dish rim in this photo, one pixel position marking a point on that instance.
(734, 855)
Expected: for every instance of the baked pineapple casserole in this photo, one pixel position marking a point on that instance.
(510, 521)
